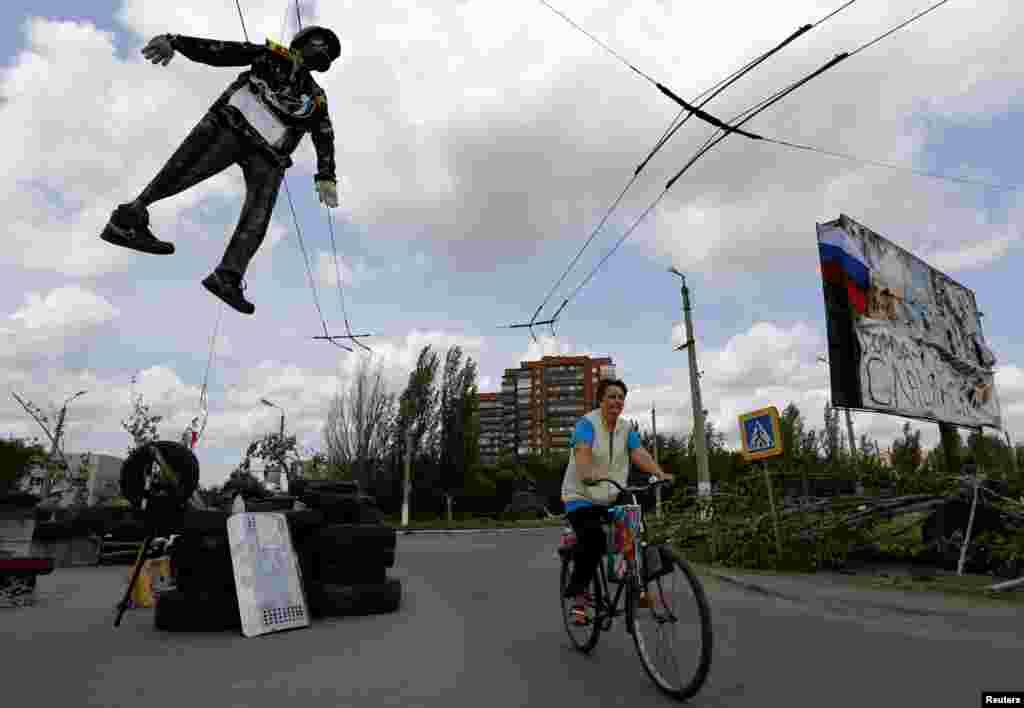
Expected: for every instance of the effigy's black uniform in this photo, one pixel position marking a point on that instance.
(257, 123)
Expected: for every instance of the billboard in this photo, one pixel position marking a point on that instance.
(903, 338)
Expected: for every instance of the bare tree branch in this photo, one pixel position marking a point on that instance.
(359, 423)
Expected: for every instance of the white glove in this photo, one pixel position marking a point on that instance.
(328, 192)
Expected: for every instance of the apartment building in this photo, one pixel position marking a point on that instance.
(541, 400)
(492, 437)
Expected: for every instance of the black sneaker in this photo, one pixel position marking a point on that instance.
(227, 286)
(129, 228)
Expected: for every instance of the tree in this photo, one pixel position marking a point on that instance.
(906, 452)
(17, 456)
(141, 424)
(459, 422)
(54, 464)
(990, 452)
(417, 412)
(359, 424)
(271, 448)
(831, 436)
(792, 430)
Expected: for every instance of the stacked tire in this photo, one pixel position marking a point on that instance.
(348, 571)
(343, 548)
(345, 563)
(205, 597)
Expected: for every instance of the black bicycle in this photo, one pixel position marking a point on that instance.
(658, 593)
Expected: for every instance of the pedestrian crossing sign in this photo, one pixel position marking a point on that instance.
(760, 434)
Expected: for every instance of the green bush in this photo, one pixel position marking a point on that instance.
(741, 532)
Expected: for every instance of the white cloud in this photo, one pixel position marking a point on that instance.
(69, 307)
(328, 270)
(49, 325)
(546, 345)
(976, 255)
(772, 365)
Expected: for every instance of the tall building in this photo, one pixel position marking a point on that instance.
(541, 400)
(492, 437)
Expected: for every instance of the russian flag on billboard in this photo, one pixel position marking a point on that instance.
(843, 264)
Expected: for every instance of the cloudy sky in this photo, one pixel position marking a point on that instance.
(478, 145)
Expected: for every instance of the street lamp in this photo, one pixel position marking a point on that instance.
(274, 405)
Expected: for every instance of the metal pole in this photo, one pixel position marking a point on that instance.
(970, 525)
(657, 491)
(1013, 452)
(849, 429)
(700, 432)
(406, 486)
(775, 513)
(284, 468)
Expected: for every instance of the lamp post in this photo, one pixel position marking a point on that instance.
(59, 430)
(280, 462)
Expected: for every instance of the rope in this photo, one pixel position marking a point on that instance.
(341, 292)
(309, 270)
(242, 20)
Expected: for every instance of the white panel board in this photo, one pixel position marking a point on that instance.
(267, 576)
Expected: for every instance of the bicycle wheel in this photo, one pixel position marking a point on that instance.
(673, 633)
(583, 637)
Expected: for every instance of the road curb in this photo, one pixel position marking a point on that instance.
(414, 532)
(812, 597)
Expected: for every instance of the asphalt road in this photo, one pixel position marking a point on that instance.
(480, 626)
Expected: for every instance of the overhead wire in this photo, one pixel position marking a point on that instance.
(744, 117)
(703, 98)
(902, 168)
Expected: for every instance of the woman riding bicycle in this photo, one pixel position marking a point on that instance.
(600, 447)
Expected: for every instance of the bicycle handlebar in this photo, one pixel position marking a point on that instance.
(634, 489)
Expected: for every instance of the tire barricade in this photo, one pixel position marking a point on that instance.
(343, 548)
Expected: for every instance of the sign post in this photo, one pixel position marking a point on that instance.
(761, 437)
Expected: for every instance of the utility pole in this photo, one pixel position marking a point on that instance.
(407, 484)
(700, 441)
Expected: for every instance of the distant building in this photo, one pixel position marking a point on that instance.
(104, 482)
(541, 400)
(491, 428)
